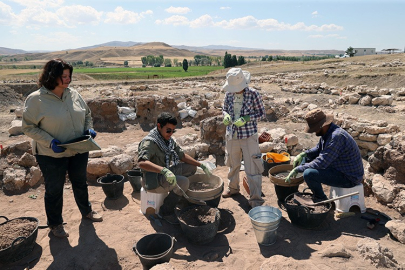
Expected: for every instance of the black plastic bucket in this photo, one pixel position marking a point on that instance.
(154, 248)
(302, 216)
(21, 246)
(282, 192)
(135, 179)
(203, 234)
(113, 185)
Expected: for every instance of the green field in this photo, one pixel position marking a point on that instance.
(145, 73)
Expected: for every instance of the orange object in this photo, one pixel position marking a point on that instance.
(271, 157)
(246, 185)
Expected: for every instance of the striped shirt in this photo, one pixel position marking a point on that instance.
(252, 106)
(336, 149)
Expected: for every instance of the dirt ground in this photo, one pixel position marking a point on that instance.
(108, 244)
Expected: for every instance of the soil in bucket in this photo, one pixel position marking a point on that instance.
(135, 179)
(199, 223)
(113, 185)
(283, 189)
(205, 188)
(17, 238)
(306, 217)
(154, 249)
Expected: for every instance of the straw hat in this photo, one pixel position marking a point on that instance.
(236, 80)
(316, 119)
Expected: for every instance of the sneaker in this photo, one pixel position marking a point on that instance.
(94, 216)
(228, 193)
(59, 231)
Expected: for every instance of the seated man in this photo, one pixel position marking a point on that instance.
(159, 158)
(335, 161)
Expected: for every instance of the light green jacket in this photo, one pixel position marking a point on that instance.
(46, 116)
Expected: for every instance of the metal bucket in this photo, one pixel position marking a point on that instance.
(265, 221)
(135, 179)
(154, 248)
(113, 185)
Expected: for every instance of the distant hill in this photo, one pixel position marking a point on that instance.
(117, 52)
(8, 51)
(113, 44)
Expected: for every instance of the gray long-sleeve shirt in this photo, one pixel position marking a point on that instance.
(46, 116)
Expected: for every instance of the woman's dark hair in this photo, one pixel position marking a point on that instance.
(52, 71)
(164, 118)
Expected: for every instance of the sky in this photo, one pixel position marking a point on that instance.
(53, 25)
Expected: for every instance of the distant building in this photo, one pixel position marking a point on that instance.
(363, 51)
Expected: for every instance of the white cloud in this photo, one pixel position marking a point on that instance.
(225, 8)
(78, 14)
(314, 14)
(244, 23)
(7, 17)
(178, 10)
(174, 20)
(39, 3)
(35, 18)
(248, 22)
(203, 21)
(122, 16)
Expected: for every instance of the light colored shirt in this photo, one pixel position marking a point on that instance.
(47, 117)
(237, 105)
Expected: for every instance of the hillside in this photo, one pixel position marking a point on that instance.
(107, 55)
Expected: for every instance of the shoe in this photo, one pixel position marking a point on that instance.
(59, 231)
(172, 219)
(227, 193)
(94, 216)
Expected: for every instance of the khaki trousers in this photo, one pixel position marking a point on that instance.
(248, 149)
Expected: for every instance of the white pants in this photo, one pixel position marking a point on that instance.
(250, 150)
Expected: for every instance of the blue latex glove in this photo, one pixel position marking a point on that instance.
(55, 147)
(292, 174)
(227, 119)
(90, 132)
(170, 177)
(298, 159)
(242, 121)
(206, 170)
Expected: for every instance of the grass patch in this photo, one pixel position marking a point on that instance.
(145, 73)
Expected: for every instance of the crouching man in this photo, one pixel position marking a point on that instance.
(165, 166)
(335, 161)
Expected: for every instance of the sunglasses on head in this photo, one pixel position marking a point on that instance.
(169, 130)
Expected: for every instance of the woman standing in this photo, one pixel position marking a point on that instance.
(54, 114)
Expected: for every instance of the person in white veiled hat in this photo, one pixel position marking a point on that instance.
(243, 107)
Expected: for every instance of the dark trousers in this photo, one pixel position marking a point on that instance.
(331, 177)
(54, 172)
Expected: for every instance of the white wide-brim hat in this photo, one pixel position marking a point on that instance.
(236, 80)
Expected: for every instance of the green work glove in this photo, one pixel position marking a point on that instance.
(170, 177)
(242, 121)
(205, 169)
(227, 119)
(298, 159)
(292, 174)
